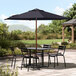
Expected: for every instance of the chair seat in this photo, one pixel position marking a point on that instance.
(55, 54)
(59, 54)
(26, 56)
(52, 54)
(35, 57)
(39, 53)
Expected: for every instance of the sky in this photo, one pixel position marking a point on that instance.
(12, 7)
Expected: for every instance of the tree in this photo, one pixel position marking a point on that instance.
(56, 26)
(28, 35)
(17, 32)
(71, 13)
(43, 29)
(14, 35)
(3, 30)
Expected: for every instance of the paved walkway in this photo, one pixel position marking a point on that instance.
(60, 70)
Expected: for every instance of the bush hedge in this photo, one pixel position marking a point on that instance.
(64, 43)
(73, 45)
(3, 52)
(7, 71)
(4, 43)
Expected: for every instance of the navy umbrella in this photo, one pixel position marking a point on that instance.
(36, 14)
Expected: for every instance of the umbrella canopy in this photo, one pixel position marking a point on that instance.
(36, 14)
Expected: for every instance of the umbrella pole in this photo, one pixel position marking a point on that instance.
(36, 41)
(36, 33)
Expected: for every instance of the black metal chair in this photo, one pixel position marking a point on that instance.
(60, 52)
(35, 58)
(13, 57)
(52, 55)
(25, 54)
(46, 46)
(36, 61)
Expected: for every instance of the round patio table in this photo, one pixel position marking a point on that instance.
(40, 49)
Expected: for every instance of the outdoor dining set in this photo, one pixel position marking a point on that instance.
(37, 14)
(33, 56)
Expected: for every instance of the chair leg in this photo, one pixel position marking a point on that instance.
(57, 60)
(54, 62)
(15, 62)
(22, 63)
(27, 65)
(12, 62)
(64, 61)
(33, 63)
(26, 62)
(48, 60)
(36, 62)
(28, 68)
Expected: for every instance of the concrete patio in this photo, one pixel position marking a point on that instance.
(60, 70)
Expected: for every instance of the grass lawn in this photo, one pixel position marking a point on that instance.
(48, 41)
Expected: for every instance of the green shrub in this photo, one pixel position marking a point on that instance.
(73, 45)
(17, 51)
(20, 44)
(3, 52)
(13, 43)
(9, 52)
(4, 43)
(54, 45)
(14, 36)
(64, 43)
(53, 36)
(7, 71)
(16, 44)
(68, 46)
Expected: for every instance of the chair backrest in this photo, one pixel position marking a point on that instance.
(24, 50)
(12, 49)
(46, 46)
(62, 49)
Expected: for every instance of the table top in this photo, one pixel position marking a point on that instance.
(38, 48)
